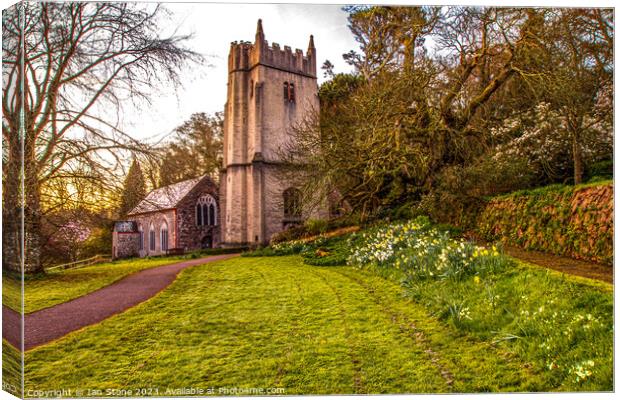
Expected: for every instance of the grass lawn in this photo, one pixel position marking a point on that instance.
(46, 290)
(561, 324)
(11, 367)
(274, 322)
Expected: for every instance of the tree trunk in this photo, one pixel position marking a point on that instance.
(11, 210)
(32, 211)
(577, 160)
(14, 239)
(21, 209)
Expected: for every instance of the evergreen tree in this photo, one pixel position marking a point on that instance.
(134, 189)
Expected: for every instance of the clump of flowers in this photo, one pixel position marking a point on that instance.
(582, 370)
(421, 251)
(552, 332)
(291, 247)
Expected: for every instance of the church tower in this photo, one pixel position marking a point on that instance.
(270, 89)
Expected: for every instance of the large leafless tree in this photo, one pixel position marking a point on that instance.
(430, 84)
(68, 70)
(416, 111)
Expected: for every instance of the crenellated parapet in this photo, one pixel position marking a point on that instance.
(244, 56)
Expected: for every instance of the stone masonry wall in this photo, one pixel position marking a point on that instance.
(155, 220)
(564, 220)
(192, 236)
(125, 244)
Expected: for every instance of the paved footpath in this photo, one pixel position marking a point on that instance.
(52, 323)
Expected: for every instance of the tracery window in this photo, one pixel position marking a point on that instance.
(206, 211)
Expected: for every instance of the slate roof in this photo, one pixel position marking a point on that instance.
(165, 197)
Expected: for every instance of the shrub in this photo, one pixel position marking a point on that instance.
(215, 251)
(327, 252)
(460, 191)
(602, 169)
(327, 249)
(280, 249)
(316, 226)
(261, 252)
(452, 230)
(598, 179)
(294, 233)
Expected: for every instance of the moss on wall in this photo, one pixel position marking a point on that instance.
(573, 221)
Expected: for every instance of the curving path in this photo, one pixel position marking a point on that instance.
(563, 264)
(45, 325)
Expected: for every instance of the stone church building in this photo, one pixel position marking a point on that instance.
(182, 216)
(270, 90)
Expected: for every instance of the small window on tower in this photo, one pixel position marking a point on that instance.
(251, 88)
(285, 91)
(291, 93)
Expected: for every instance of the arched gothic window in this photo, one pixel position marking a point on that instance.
(163, 236)
(292, 204)
(141, 237)
(151, 237)
(206, 211)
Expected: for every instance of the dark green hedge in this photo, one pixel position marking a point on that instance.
(574, 221)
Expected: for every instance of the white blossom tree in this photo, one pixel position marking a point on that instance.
(543, 137)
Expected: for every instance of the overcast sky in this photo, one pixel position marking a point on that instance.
(214, 27)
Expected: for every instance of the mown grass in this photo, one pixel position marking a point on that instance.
(561, 325)
(11, 369)
(46, 290)
(553, 321)
(276, 322)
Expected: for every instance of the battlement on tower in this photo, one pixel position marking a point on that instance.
(244, 56)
